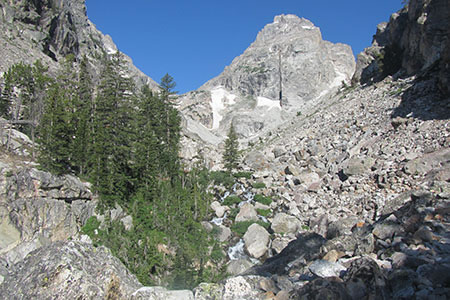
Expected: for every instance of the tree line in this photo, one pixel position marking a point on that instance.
(125, 142)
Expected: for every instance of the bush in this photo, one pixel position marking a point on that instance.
(263, 199)
(222, 178)
(263, 212)
(230, 200)
(242, 174)
(258, 185)
(240, 228)
(91, 225)
(233, 213)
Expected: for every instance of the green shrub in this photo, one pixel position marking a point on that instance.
(217, 253)
(91, 225)
(263, 199)
(242, 174)
(230, 200)
(240, 228)
(233, 213)
(263, 212)
(222, 178)
(258, 185)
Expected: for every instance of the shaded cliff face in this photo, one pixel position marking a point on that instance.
(416, 39)
(50, 30)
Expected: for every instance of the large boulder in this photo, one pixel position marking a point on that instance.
(247, 213)
(284, 223)
(69, 270)
(256, 240)
(37, 208)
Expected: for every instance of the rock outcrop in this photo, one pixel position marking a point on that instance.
(416, 39)
(50, 30)
(38, 208)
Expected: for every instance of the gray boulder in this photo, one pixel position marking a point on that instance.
(247, 213)
(70, 270)
(324, 268)
(284, 223)
(256, 240)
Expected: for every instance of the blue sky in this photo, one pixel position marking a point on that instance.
(194, 40)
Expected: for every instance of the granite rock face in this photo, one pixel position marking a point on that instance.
(288, 68)
(38, 208)
(50, 30)
(69, 270)
(416, 39)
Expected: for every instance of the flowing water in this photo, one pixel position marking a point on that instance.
(237, 251)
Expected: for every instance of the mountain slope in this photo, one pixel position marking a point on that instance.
(50, 30)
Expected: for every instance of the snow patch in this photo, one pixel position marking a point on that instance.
(263, 101)
(219, 98)
(337, 82)
(307, 27)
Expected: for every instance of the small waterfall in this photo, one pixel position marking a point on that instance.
(219, 221)
(237, 251)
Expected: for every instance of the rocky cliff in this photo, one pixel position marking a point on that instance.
(414, 41)
(51, 29)
(287, 70)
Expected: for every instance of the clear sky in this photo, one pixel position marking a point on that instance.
(193, 40)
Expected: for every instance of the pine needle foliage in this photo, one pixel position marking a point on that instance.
(231, 152)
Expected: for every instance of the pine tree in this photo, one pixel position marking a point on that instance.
(231, 152)
(111, 172)
(82, 119)
(171, 126)
(55, 135)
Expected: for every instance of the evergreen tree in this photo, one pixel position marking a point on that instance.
(111, 172)
(82, 119)
(231, 152)
(171, 125)
(55, 135)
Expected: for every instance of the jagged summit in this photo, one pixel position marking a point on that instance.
(283, 27)
(288, 56)
(286, 70)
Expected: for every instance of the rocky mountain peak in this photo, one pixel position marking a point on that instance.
(287, 70)
(285, 27)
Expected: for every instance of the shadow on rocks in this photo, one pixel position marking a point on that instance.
(423, 100)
